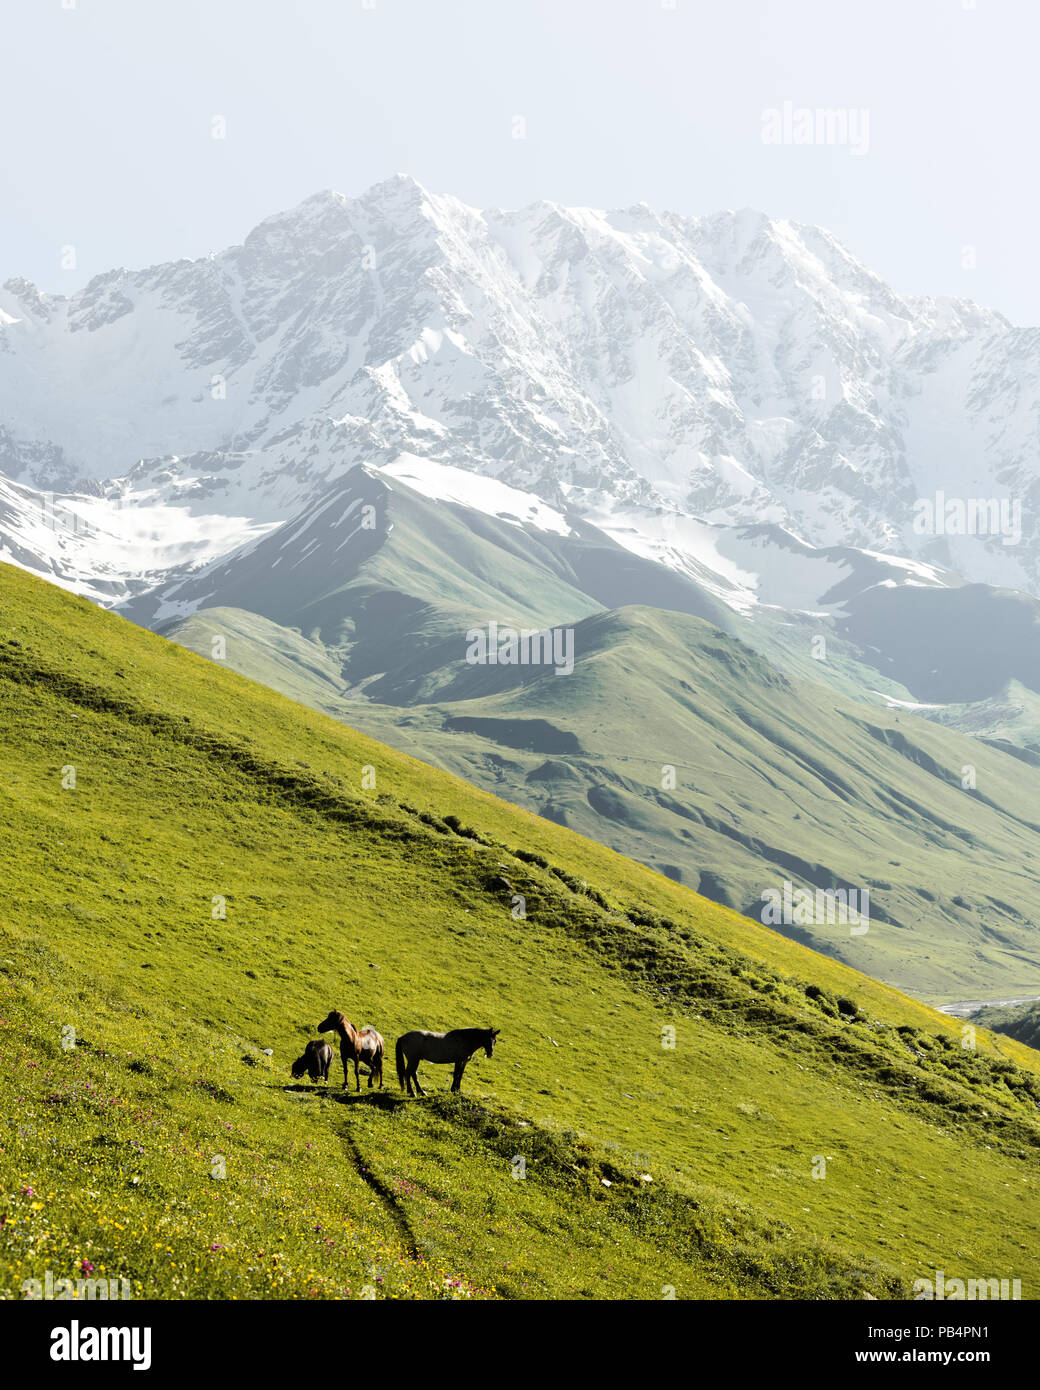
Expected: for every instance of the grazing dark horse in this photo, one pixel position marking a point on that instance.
(370, 1053)
(316, 1060)
(458, 1047)
(349, 1041)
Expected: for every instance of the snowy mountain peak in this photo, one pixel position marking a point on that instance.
(729, 366)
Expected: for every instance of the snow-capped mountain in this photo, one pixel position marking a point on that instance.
(728, 369)
(97, 546)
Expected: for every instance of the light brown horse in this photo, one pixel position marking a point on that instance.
(316, 1060)
(370, 1053)
(349, 1041)
(458, 1047)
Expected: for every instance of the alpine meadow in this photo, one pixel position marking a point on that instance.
(669, 1073)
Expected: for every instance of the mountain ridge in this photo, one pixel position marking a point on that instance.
(736, 367)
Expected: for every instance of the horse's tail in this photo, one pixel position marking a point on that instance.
(400, 1061)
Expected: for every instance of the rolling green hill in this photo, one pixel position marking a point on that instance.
(1010, 721)
(196, 870)
(675, 744)
(1020, 1021)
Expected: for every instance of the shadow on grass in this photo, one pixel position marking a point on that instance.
(380, 1100)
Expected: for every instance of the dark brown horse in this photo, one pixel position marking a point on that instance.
(458, 1047)
(316, 1060)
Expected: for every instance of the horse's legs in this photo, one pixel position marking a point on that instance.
(415, 1078)
(456, 1080)
(344, 1059)
(357, 1078)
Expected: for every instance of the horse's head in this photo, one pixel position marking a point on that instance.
(492, 1035)
(334, 1020)
(299, 1067)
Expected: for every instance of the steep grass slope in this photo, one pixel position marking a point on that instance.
(196, 870)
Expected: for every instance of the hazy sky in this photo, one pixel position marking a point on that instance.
(108, 107)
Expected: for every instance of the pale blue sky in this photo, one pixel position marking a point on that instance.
(106, 111)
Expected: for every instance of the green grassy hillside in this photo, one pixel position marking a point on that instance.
(380, 608)
(197, 870)
(1021, 1021)
(1010, 720)
(677, 745)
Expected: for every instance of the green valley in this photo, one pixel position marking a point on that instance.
(677, 745)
